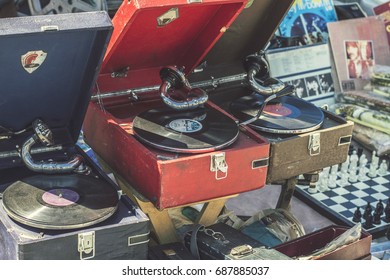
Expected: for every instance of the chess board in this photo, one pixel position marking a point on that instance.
(339, 203)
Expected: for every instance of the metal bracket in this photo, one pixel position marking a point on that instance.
(86, 245)
(168, 17)
(345, 140)
(121, 73)
(218, 165)
(314, 144)
(138, 239)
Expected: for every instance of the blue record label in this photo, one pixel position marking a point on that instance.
(185, 125)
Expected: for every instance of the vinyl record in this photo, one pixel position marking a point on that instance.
(289, 115)
(60, 201)
(195, 131)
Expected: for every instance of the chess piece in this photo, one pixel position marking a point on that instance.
(367, 210)
(363, 160)
(324, 180)
(344, 179)
(374, 165)
(352, 175)
(382, 171)
(362, 172)
(379, 207)
(353, 160)
(368, 221)
(332, 183)
(387, 211)
(357, 215)
(312, 188)
(377, 218)
(344, 165)
(353, 164)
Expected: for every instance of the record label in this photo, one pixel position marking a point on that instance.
(199, 130)
(60, 197)
(289, 115)
(277, 110)
(185, 125)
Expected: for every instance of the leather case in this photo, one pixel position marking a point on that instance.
(307, 244)
(128, 85)
(222, 242)
(52, 64)
(290, 155)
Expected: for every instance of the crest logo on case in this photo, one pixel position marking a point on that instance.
(32, 60)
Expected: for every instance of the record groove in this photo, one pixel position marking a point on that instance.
(194, 131)
(289, 115)
(60, 201)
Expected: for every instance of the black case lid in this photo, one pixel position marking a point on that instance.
(249, 33)
(59, 89)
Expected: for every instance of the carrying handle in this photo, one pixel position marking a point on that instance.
(173, 79)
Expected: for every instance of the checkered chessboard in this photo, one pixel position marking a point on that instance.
(340, 203)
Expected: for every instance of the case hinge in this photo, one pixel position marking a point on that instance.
(219, 166)
(86, 245)
(314, 144)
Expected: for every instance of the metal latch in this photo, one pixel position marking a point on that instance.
(314, 144)
(241, 250)
(86, 245)
(219, 166)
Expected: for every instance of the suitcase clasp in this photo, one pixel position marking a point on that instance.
(314, 144)
(241, 250)
(86, 245)
(219, 166)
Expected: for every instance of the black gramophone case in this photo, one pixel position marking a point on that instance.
(49, 65)
(290, 155)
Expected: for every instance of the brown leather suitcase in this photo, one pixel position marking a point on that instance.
(290, 155)
(307, 244)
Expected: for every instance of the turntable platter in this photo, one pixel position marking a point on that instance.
(289, 115)
(193, 131)
(60, 201)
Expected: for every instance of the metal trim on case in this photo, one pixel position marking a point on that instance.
(345, 140)
(138, 238)
(258, 163)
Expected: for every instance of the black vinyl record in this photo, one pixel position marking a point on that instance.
(60, 201)
(193, 131)
(287, 115)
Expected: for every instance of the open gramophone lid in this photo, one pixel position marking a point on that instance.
(194, 131)
(60, 201)
(286, 115)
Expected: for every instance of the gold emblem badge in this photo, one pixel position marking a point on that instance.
(32, 60)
